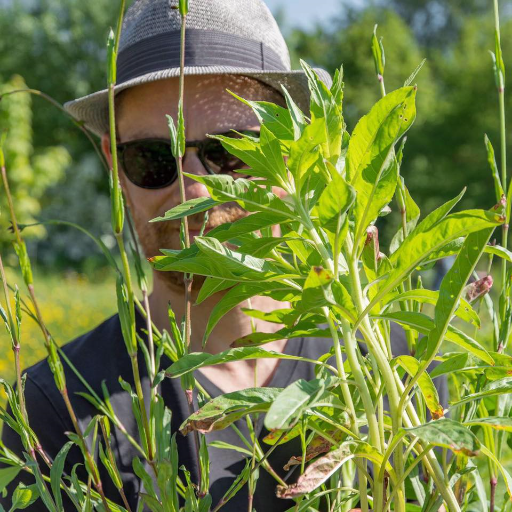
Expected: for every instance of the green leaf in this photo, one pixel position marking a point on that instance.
(291, 403)
(223, 410)
(245, 226)
(495, 388)
(248, 194)
(452, 287)
(221, 445)
(216, 260)
(111, 469)
(239, 481)
(145, 477)
(24, 496)
(235, 296)
(412, 76)
(257, 339)
(56, 472)
(498, 188)
(504, 473)
(191, 207)
(173, 134)
(197, 360)
(335, 200)
(412, 366)
(295, 113)
(495, 422)
(316, 473)
(371, 165)
(448, 434)
(262, 247)
(271, 148)
(242, 265)
(303, 153)
(452, 363)
(274, 118)
(379, 58)
(111, 58)
(423, 296)
(426, 239)
(323, 107)
(501, 252)
(7, 475)
(412, 214)
(337, 88)
(250, 152)
(423, 324)
(211, 286)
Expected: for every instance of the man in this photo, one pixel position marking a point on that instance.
(231, 44)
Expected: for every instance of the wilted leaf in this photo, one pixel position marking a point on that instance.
(316, 473)
(317, 446)
(225, 409)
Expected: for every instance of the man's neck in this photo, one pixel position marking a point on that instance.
(232, 326)
(228, 377)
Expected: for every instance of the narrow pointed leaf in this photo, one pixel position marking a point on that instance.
(198, 360)
(317, 473)
(289, 406)
(191, 207)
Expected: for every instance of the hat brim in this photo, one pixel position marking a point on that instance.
(92, 110)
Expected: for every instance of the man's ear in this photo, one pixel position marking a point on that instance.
(105, 148)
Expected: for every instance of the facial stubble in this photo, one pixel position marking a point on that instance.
(166, 235)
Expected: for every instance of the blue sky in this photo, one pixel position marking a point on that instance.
(304, 13)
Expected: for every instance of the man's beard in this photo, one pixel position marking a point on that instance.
(154, 236)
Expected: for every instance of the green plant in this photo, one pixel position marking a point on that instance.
(327, 264)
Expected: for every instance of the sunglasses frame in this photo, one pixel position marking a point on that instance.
(200, 145)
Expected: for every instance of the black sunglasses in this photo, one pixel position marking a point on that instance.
(149, 163)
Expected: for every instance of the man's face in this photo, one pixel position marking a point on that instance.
(209, 109)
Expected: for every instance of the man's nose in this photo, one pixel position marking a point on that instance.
(192, 165)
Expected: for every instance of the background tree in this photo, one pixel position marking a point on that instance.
(31, 170)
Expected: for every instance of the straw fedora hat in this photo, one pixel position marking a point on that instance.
(223, 37)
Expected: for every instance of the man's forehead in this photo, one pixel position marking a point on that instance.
(209, 108)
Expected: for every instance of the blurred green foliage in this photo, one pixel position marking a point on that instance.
(58, 46)
(31, 170)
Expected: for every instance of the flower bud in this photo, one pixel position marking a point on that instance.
(478, 288)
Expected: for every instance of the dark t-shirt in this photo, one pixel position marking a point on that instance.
(100, 355)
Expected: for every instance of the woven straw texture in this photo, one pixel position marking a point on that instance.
(246, 18)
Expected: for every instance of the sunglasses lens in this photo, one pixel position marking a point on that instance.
(149, 164)
(219, 160)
